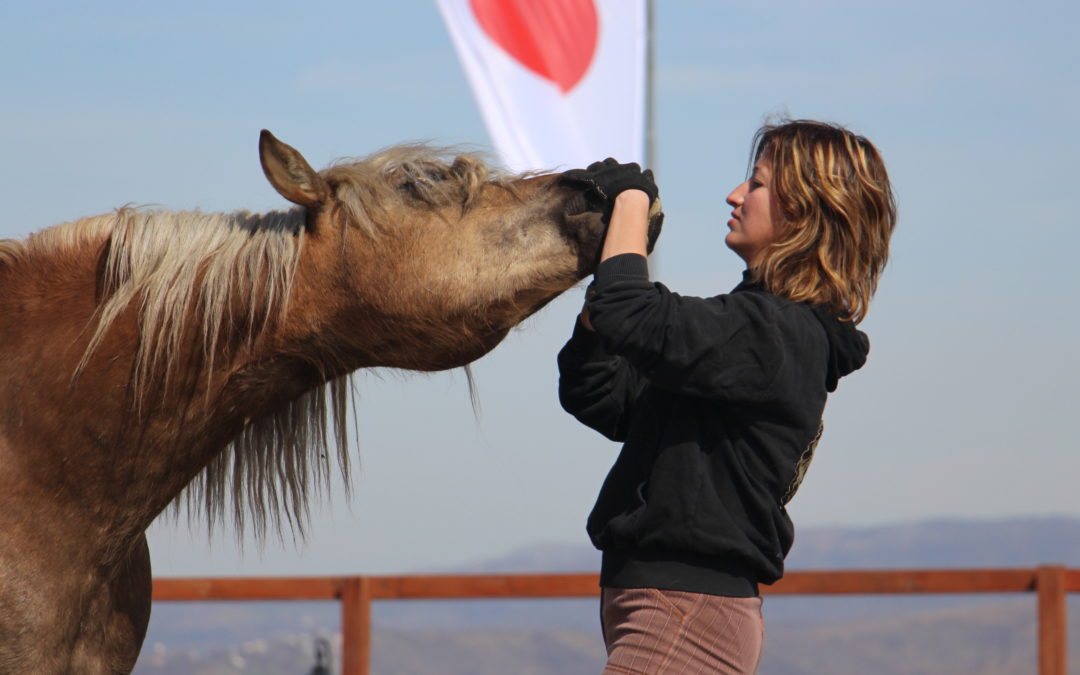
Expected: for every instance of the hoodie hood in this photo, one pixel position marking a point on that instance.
(848, 346)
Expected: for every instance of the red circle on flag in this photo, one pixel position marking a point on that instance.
(556, 39)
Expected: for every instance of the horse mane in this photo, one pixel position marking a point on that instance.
(55, 240)
(182, 267)
(187, 266)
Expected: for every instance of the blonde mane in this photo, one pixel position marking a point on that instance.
(191, 266)
(55, 240)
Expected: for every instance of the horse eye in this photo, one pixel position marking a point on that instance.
(429, 177)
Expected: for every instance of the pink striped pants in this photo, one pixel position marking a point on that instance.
(657, 632)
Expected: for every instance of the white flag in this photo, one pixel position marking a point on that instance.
(560, 83)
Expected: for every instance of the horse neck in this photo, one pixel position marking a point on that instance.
(79, 424)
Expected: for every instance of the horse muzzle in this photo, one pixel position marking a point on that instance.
(587, 221)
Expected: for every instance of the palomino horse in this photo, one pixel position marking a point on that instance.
(141, 351)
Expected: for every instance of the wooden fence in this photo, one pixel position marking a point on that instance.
(1049, 583)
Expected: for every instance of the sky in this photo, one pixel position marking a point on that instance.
(967, 407)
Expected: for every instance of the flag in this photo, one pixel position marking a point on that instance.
(560, 83)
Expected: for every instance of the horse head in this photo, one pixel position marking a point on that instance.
(435, 258)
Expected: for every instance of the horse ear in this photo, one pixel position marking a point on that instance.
(289, 172)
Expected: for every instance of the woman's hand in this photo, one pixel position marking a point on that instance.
(628, 193)
(610, 179)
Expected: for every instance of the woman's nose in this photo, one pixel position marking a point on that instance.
(737, 195)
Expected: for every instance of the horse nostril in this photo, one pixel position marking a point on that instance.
(576, 204)
(581, 202)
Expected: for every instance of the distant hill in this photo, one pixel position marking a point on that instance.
(884, 635)
(1018, 542)
(1021, 542)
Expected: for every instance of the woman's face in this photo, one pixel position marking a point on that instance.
(751, 224)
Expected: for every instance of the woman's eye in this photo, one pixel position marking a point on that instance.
(755, 184)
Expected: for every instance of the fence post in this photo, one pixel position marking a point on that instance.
(1050, 585)
(356, 626)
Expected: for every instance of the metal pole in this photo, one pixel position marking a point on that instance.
(650, 109)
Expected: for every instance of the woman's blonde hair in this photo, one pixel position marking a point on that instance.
(834, 212)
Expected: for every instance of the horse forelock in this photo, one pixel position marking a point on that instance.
(373, 190)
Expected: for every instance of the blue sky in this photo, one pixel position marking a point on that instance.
(967, 407)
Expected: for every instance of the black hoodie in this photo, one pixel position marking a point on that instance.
(718, 402)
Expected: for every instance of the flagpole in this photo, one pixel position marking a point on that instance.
(650, 111)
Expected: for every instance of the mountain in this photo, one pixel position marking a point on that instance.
(1019, 542)
(909, 635)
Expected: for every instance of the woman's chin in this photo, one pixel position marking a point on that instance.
(738, 250)
(732, 242)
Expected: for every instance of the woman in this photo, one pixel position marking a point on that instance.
(718, 401)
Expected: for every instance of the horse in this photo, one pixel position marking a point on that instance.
(148, 354)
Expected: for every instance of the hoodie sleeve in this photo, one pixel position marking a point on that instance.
(729, 347)
(595, 387)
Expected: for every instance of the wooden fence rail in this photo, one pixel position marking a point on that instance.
(1050, 583)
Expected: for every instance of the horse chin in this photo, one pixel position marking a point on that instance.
(481, 348)
(521, 307)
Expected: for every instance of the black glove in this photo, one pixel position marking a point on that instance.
(608, 178)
